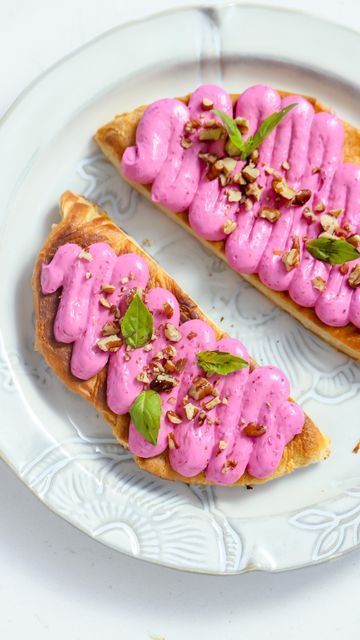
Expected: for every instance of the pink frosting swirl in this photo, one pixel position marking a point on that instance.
(305, 140)
(259, 397)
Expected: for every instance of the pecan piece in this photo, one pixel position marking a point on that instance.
(301, 198)
(200, 388)
(172, 333)
(354, 277)
(173, 417)
(163, 382)
(253, 430)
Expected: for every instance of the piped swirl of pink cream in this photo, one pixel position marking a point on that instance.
(259, 396)
(305, 140)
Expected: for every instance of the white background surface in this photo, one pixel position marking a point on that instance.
(55, 582)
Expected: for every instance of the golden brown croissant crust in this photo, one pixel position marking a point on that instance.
(114, 137)
(84, 223)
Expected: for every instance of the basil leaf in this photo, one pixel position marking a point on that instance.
(266, 127)
(145, 413)
(137, 323)
(220, 362)
(232, 129)
(332, 250)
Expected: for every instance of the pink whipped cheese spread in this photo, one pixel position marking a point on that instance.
(312, 145)
(247, 397)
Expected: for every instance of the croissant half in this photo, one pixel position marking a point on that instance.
(119, 134)
(84, 223)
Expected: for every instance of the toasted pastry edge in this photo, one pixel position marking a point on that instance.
(83, 222)
(114, 137)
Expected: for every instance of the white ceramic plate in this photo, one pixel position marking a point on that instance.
(54, 440)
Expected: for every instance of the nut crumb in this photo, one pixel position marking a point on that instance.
(200, 388)
(318, 283)
(105, 303)
(172, 333)
(207, 104)
(212, 403)
(354, 277)
(173, 417)
(172, 442)
(107, 288)
(110, 343)
(229, 226)
(272, 215)
(190, 410)
(85, 255)
(254, 430)
(356, 449)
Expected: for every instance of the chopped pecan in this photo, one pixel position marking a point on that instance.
(200, 388)
(272, 215)
(168, 310)
(285, 165)
(250, 173)
(320, 207)
(253, 190)
(354, 277)
(207, 104)
(222, 445)
(301, 198)
(344, 269)
(242, 123)
(172, 333)
(190, 410)
(253, 430)
(291, 259)
(163, 382)
(212, 403)
(329, 223)
(110, 328)
(180, 364)
(318, 283)
(169, 366)
(143, 377)
(169, 351)
(110, 343)
(281, 187)
(173, 417)
(104, 302)
(229, 226)
(336, 213)
(172, 442)
(107, 288)
(234, 195)
(309, 215)
(186, 143)
(228, 466)
(354, 240)
(85, 255)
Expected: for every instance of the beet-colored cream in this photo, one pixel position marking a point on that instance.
(219, 446)
(311, 146)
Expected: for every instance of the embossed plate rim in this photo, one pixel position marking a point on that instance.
(250, 563)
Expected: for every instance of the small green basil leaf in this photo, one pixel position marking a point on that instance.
(137, 323)
(332, 250)
(220, 362)
(145, 413)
